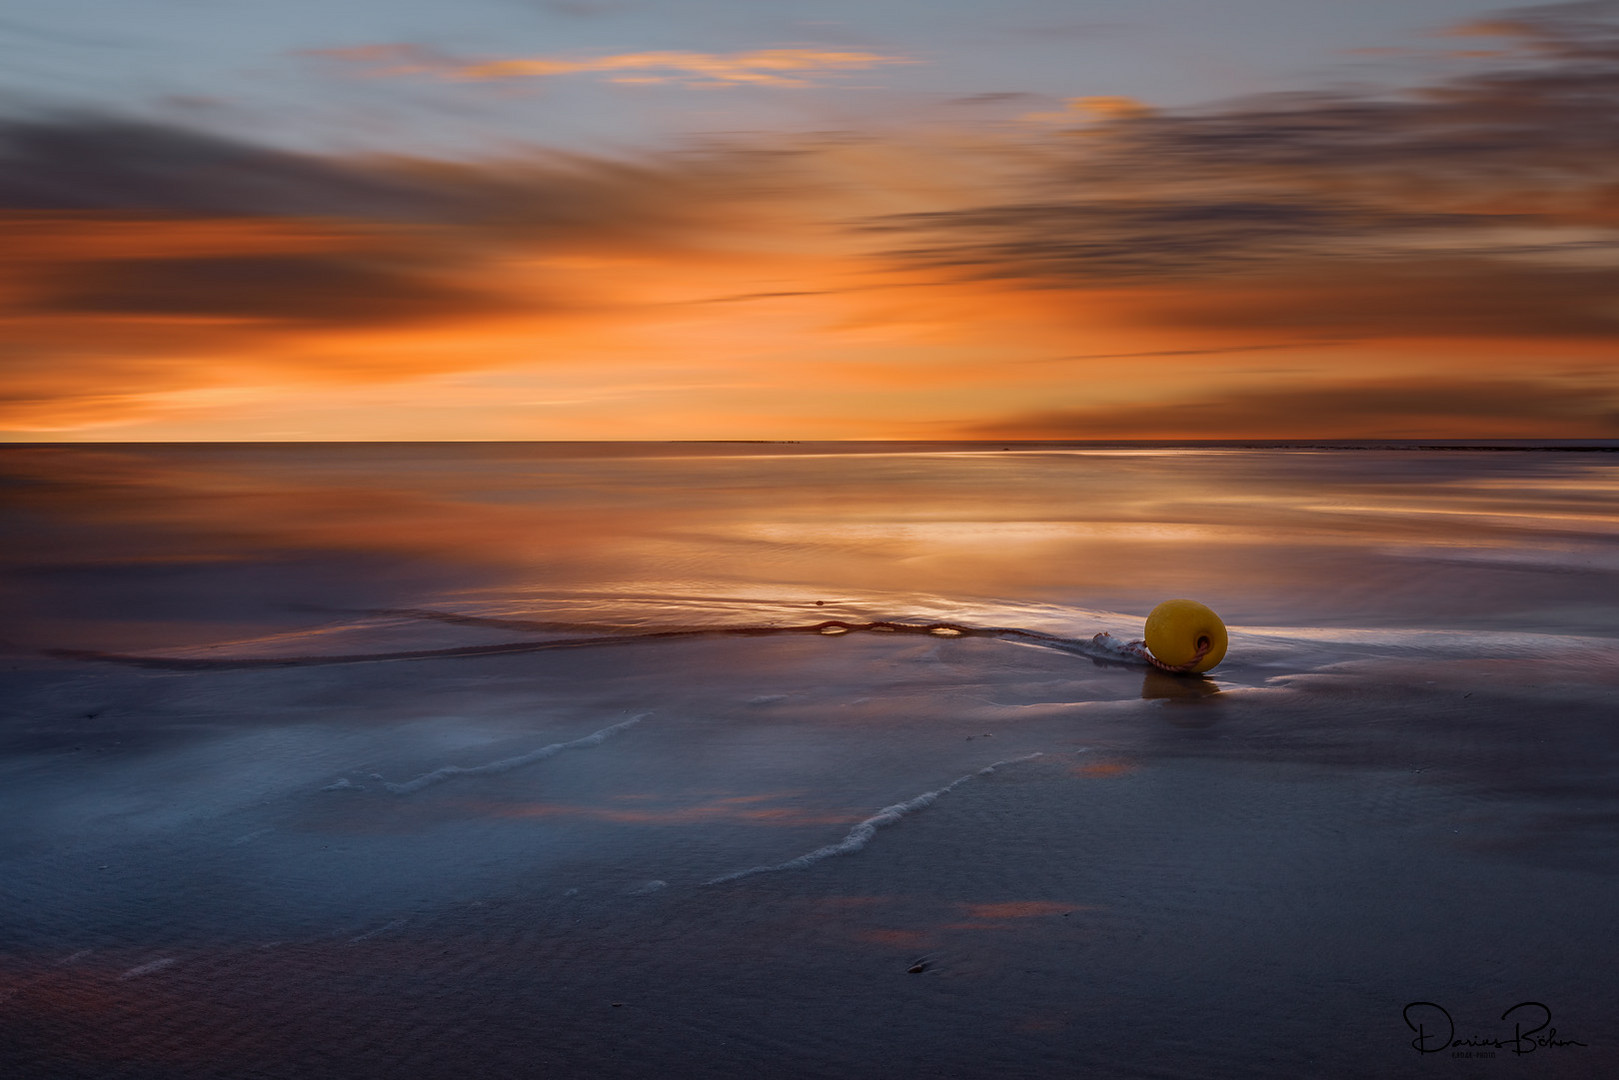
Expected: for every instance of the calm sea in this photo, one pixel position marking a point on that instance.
(146, 547)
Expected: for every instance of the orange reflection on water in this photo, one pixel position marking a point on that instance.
(1096, 769)
(676, 534)
(911, 940)
(1011, 914)
(1021, 909)
(112, 1014)
(1164, 686)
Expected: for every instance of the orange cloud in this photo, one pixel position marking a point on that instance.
(186, 268)
(1297, 265)
(1512, 28)
(1095, 109)
(762, 67)
(1111, 107)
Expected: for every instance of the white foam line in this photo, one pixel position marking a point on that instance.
(438, 776)
(147, 969)
(1113, 648)
(861, 834)
(367, 936)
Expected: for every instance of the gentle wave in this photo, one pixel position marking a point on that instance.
(448, 772)
(861, 834)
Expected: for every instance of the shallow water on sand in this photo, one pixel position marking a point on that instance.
(486, 759)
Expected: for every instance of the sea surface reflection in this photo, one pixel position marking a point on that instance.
(153, 547)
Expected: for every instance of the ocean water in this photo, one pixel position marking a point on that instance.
(734, 759)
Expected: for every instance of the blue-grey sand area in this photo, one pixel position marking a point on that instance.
(803, 761)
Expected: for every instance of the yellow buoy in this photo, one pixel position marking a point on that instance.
(1178, 629)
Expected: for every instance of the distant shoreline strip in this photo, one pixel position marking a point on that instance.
(861, 834)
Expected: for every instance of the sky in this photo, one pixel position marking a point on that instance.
(892, 219)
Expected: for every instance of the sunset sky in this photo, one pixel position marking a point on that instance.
(892, 219)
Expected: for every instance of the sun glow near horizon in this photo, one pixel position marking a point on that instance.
(1437, 262)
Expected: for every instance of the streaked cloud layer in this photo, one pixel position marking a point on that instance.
(765, 67)
(1410, 408)
(1430, 259)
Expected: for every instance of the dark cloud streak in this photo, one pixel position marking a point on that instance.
(342, 290)
(400, 240)
(1389, 409)
(82, 162)
(1504, 183)
(1167, 239)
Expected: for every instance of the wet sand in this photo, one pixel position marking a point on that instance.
(759, 850)
(1248, 876)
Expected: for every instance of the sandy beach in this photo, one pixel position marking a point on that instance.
(751, 851)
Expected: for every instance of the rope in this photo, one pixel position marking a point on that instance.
(1104, 642)
(1139, 648)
